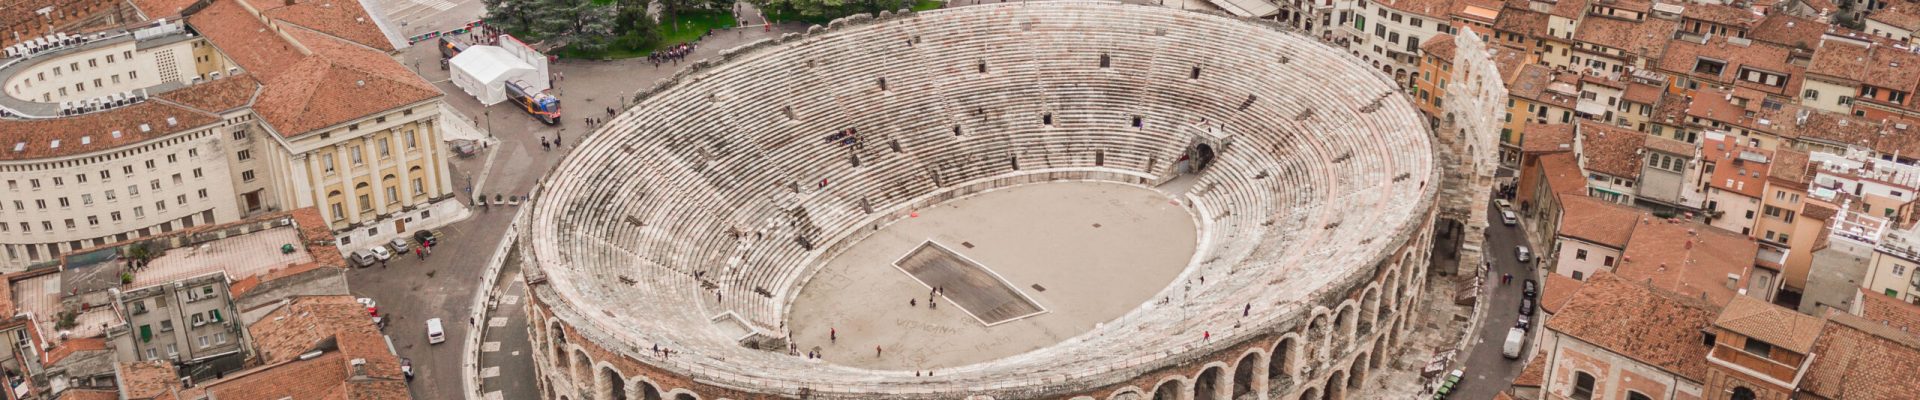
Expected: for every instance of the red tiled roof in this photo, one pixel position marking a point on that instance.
(1610, 150)
(147, 379)
(1597, 221)
(1670, 146)
(1569, 9)
(1642, 38)
(1440, 45)
(1527, 23)
(1546, 138)
(1860, 359)
(1769, 323)
(1791, 168)
(1721, 14)
(1648, 325)
(73, 346)
(1557, 290)
(1790, 31)
(329, 376)
(337, 18)
(1563, 174)
(1682, 55)
(1890, 311)
(1429, 8)
(1899, 15)
(1535, 373)
(1732, 173)
(1688, 258)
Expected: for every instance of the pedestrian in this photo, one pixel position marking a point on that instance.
(833, 335)
(544, 143)
(932, 305)
(1206, 335)
(1247, 311)
(913, 302)
(876, 351)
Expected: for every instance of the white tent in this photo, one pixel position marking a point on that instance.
(483, 71)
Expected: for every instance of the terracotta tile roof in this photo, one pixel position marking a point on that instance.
(156, 9)
(1688, 258)
(1502, 396)
(1721, 14)
(217, 96)
(1719, 105)
(1838, 59)
(338, 18)
(297, 327)
(1791, 168)
(1483, 11)
(246, 40)
(1790, 31)
(1681, 56)
(1769, 323)
(1532, 83)
(1899, 15)
(74, 346)
(147, 379)
(1563, 174)
(94, 132)
(1534, 374)
(1557, 290)
(1609, 149)
(1670, 146)
(1851, 351)
(88, 394)
(1843, 129)
(1645, 38)
(301, 326)
(1639, 322)
(1890, 311)
(1818, 212)
(1569, 9)
(325, 377)
(1527, 23)
(1429, 8)
(1672, 109)
(1546, 138)
(1733, 173)
(1597, 221)
(1440, 45)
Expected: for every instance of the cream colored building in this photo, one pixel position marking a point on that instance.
(216, 134)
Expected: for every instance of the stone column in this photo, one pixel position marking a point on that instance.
(1474, 102)
(344, 166)
(379, 184)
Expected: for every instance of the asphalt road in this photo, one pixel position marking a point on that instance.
(1487, 371)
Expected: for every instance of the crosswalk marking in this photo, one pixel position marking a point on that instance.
(489, 372)
(497, 322)
(490, 347)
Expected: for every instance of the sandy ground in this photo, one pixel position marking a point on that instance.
(1098, 249)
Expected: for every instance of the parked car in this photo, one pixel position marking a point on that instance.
(406, 368)
(373, 308)
(1516, 340)
(1509, 218)
(399, 245)
(1525, 322)
(380, 253)
(435, 334)
(1523, 254)
(362, 258)
(1526, 306)
(1529, 289)
(1503, 203)
(426, 238)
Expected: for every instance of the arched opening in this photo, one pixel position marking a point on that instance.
(1280, 364)
(582, 372)
(1200, 156)
(1743, 393)
(685, 396)
(1169, 390)
(559, 345)
(1583, 386)
(648, 391)
(1247, 377)
(1310, 394)
(1336, 386)
(1379, 353)
(612, 385)
(1369, 311)
(1316, 338)
(1129, 394)
(1206, 386)
(1632, 395)
(1358, 372)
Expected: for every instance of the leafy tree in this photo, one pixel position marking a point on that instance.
(510, 15)
(818, 10)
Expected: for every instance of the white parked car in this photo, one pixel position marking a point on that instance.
(381, 253)
(1522, 254)
(435, 334)
(1503, 203)
(1509, 218)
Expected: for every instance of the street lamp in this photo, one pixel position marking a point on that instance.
(489, 112)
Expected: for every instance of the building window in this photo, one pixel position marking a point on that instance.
(1580, 254)
(244, 155)
(1582, 386)
(1758, 347)
(246, 176)
(1741, 393)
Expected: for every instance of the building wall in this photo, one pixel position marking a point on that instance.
(1662, 184)
(1740, 211)
(1884, 30)
(1892, 275)
(1827, 96)
(1614, 374)
(1375, 39)
(371, 176)
(99, 72)
(1569, 262)
(113, 196)
(1839, 269)
(170, 314)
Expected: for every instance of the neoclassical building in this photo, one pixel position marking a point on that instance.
(211, 112)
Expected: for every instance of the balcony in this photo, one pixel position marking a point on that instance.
(1776, 372)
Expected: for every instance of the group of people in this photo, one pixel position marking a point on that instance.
(932, 295)
(671, 54)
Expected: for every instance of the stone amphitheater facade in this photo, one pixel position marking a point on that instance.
(691, 220)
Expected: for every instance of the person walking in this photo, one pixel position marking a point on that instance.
(876, 351)
(833, 335)
(913, 302)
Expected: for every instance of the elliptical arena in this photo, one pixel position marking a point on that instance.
(1101, 201)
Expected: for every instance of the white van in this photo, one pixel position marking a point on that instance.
(435, 334)
(1516, 338)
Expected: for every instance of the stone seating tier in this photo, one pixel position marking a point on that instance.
(708, 197)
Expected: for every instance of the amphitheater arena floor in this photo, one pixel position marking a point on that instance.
(1043, 234)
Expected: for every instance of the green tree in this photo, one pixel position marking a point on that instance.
(510, 15)
(822, 10)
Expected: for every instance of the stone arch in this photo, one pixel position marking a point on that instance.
(559, 343)
(1369, 310)
(683, 394)
(1281, 365)
(1208, 385)
(1344, 325)
(1128, 393)
(646, 389)
(1336, 386)
(1168, 389)
(1249, 375)
(1379, 353)
(1357, 373)
(1310, 394)
(582, 372)
(1316, 333)
(612, 385)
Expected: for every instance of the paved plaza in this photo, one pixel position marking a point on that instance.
(1097, 249)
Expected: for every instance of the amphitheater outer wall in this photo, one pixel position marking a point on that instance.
(1326, 344)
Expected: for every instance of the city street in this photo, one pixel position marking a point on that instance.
(1487, 372)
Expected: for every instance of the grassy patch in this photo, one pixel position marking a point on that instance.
(778, 15)
(687, 27)
(924, 5)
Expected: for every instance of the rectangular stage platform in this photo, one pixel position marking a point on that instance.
(977, 290)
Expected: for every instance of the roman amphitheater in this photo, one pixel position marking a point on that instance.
(1061, 200)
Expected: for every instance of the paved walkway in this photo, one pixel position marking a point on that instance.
(1487, 371)
(506, 353)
